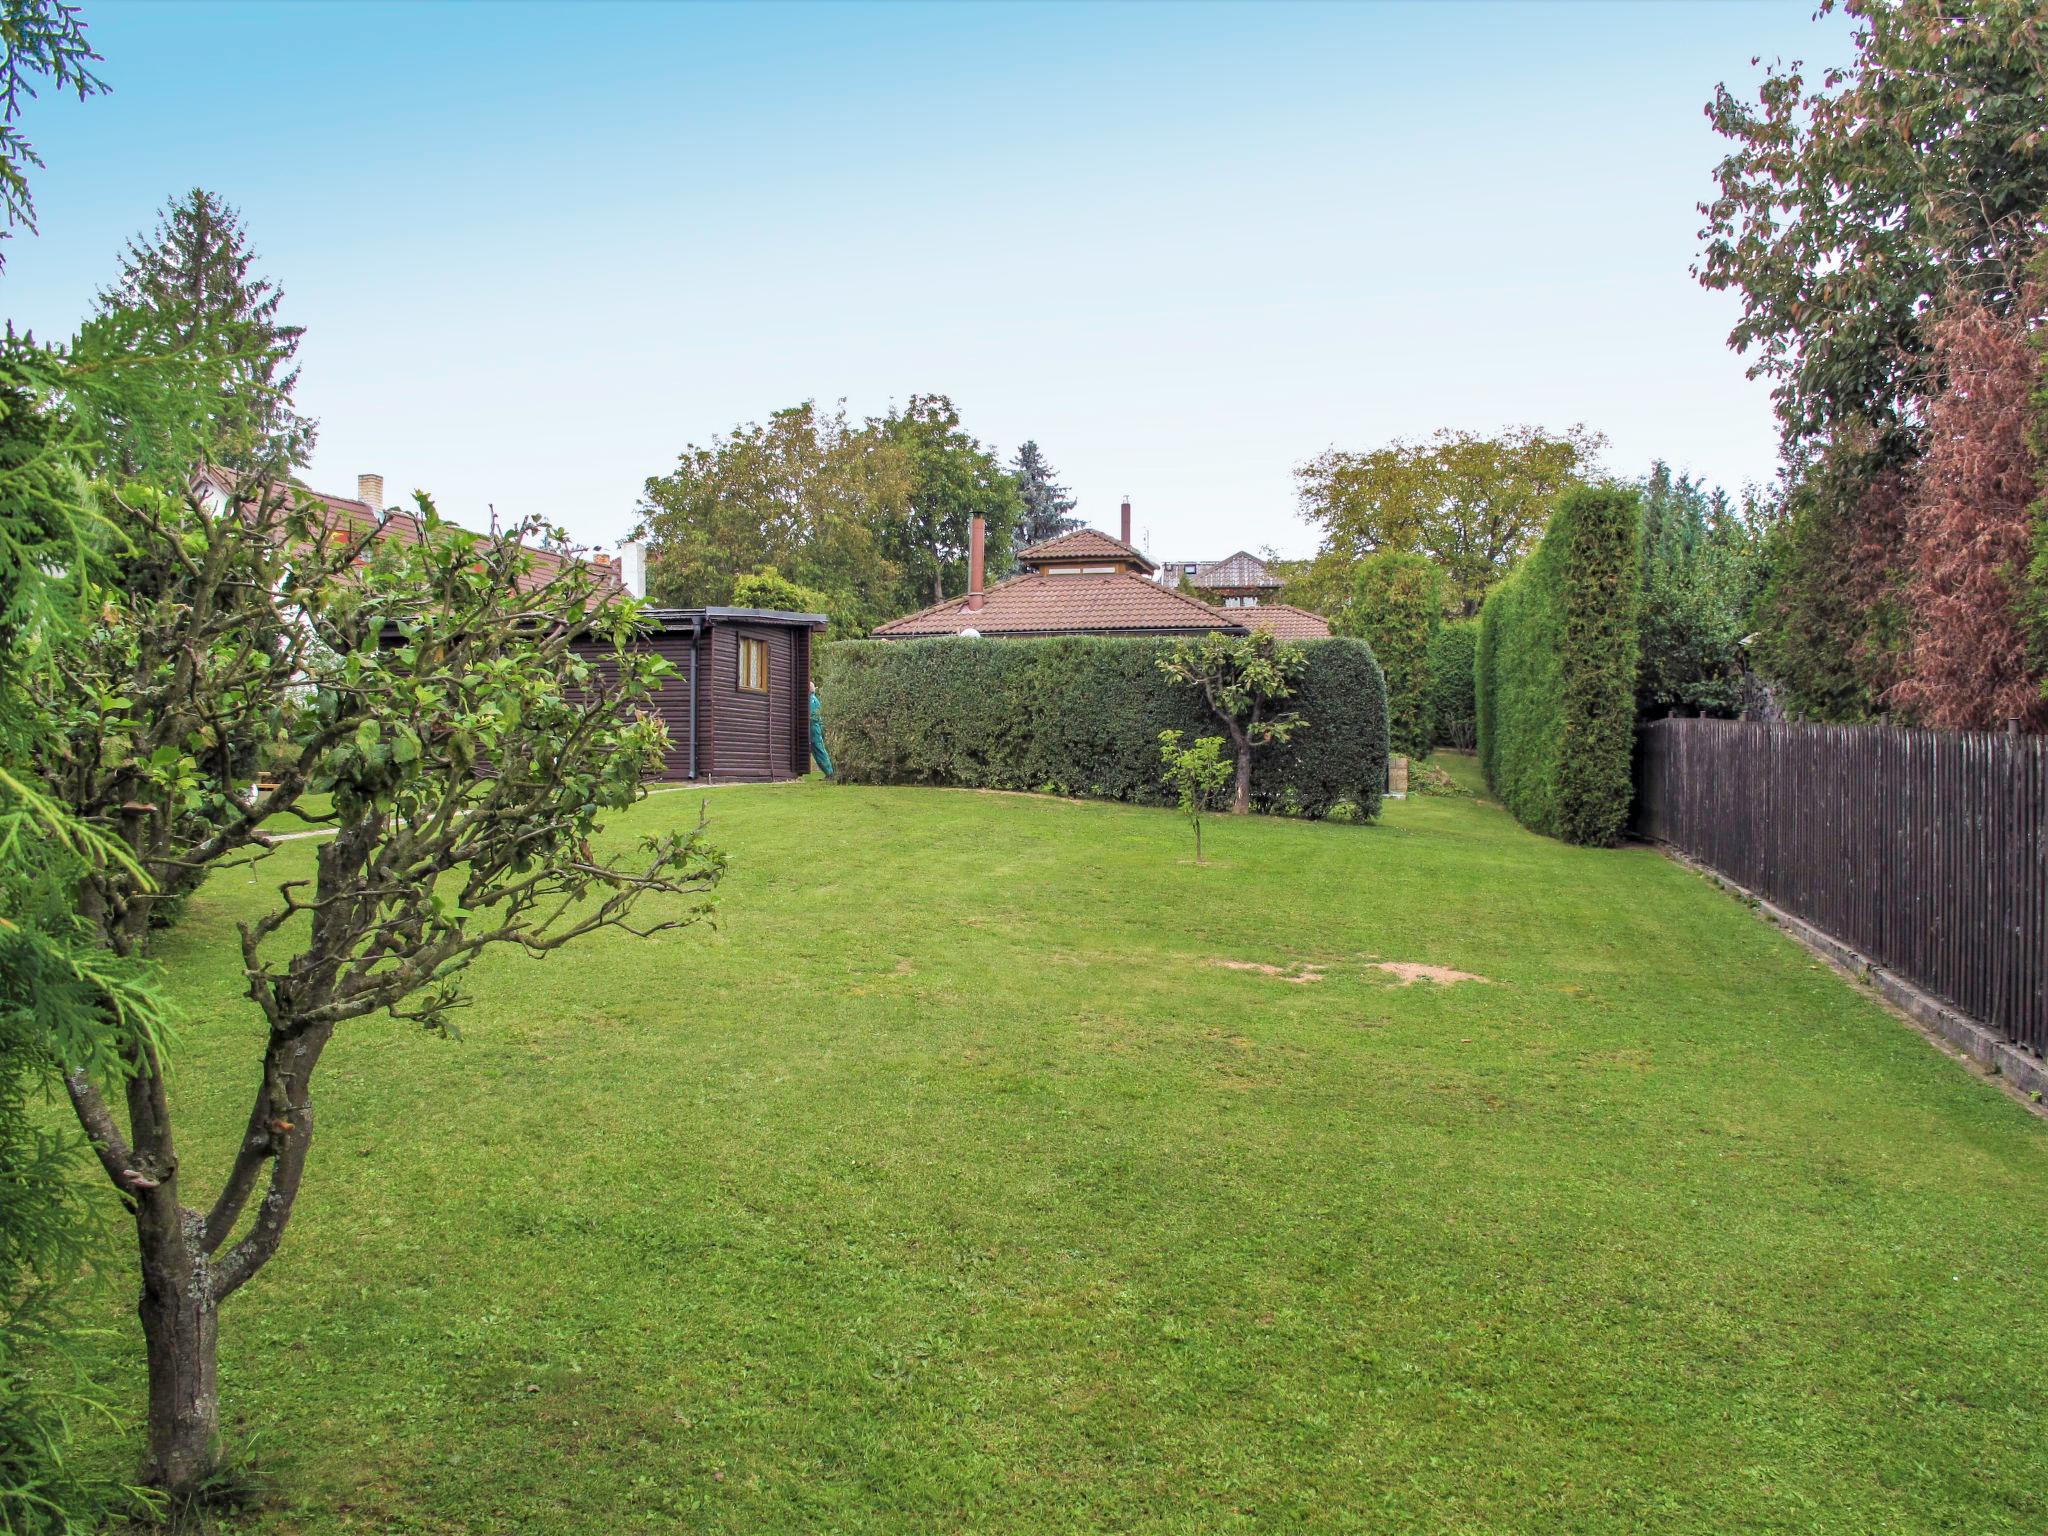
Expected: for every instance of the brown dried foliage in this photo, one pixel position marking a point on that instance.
(1968, 527)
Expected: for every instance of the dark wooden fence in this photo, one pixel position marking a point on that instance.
(1926, 850)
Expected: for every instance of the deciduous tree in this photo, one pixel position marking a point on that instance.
(1474, 505)
(1829, 623)
(1244, 680)
(953, 480)
(805, 492)
(249, 660)
(1848, 206)
(1194, 773)
(1968, 529)
(1850, 202)
(769, 588)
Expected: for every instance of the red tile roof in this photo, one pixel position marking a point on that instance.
(1082, 544)
(359, 518)
(1284, 621)
(1040, 603)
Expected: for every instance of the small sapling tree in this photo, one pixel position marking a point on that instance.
(1194, 773)
(469, 719)
(1244, 680)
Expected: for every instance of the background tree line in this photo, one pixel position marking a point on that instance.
(860, 520)
(1416, 533)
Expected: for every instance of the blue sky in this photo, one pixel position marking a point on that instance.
(538, 248)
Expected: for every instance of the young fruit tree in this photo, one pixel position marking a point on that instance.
(454, 719)
(1243, 679)
(1194, 773)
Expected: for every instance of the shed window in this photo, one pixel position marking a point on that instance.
(753, 665)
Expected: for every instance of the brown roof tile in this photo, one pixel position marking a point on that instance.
(1046, 604)
(356, 520)
(545, 565)
(1081, 544)
(1238, 571)
(1284, 621)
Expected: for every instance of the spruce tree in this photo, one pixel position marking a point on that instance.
(1048, 507)
(190, 289)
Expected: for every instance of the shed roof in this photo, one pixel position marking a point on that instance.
(679, 618)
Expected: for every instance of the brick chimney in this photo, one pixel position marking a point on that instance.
(977, 533)
(1127, 520)
(370, 491)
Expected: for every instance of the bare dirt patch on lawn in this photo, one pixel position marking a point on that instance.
(1408, 972)
(1299, 974)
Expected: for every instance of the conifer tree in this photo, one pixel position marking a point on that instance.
(1048, 505)
(191, 289)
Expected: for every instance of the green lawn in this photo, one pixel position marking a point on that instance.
(953, 1183)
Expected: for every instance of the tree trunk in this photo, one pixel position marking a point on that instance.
(181, 1332)
(1241, 798)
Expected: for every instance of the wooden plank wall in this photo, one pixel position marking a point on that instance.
(1926, 850)
(670, 700)
(754, 735)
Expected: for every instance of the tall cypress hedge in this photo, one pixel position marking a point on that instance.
(1556, 671)
(1453, 716)
(1081, 715)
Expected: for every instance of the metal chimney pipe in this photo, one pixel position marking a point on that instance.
(976, 534)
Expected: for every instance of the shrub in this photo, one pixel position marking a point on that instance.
(1702, 566)
(1196, 774)
(1396, 607)
(1453, 716)
(1082, 715)
(769, 588)
(1556, 671)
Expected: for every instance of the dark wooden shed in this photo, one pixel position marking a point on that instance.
(737, 705)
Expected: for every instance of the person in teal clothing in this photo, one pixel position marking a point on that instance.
(818, 753)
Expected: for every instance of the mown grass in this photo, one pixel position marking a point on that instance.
(953, 1184)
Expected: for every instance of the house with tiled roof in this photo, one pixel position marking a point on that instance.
(1283, 621)
(355, 519)
(1235, 581)
(1081, 583)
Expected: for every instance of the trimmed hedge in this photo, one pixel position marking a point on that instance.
(1081, 715)
(1453, 712)
(1556, 671)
